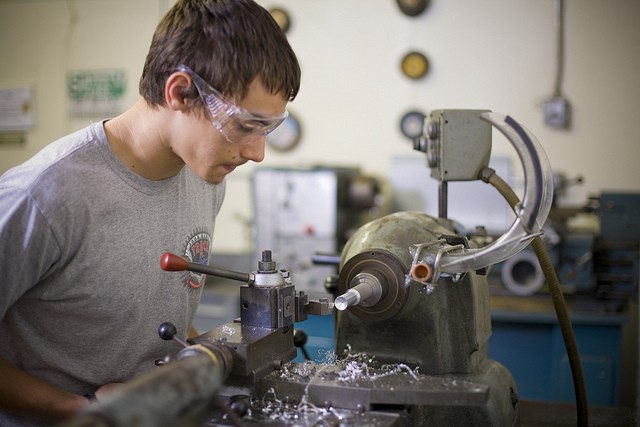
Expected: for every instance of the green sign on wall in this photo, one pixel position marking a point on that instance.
(96, 92)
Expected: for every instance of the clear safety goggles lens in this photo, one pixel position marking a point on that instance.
(238, 125)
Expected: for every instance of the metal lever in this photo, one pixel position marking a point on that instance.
(172, 262)
(168, 331)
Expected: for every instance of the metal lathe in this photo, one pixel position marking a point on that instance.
(412, 318)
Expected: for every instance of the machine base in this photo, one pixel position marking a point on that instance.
(357, 395)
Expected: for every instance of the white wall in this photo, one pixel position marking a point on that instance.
(494, 54)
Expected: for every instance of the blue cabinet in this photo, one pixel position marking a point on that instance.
(530, 344)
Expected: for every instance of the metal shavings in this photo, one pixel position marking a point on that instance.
(296, 371)
(227, 330)
(396, 369)
(355, 371)
(357, 366)
(353, 367)
(270, 408)
(327, 357)
(306, 369)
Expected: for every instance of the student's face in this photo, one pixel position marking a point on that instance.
(205, 150)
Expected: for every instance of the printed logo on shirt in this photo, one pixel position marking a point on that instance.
(197, 251)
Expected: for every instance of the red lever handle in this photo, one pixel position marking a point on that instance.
(171, 262)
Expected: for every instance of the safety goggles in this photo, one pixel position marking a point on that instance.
(238, 125)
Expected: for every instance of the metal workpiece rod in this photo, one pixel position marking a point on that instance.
(172, 262)
(367, 292)
(349, 298)
(178, 393)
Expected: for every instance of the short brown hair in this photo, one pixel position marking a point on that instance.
(227, 42)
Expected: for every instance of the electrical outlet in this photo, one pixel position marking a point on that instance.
(557, 112)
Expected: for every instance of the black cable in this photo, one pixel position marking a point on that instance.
(559, 10)
(488, 175)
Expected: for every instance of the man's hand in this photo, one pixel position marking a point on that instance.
(107, 389)
(24, 394)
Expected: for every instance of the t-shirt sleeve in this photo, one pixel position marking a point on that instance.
(28, 247)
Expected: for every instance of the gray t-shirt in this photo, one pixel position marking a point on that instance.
(81, 289)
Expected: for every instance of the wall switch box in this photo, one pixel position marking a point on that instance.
(557, 112)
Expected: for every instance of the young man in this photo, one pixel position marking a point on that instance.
(84, 222)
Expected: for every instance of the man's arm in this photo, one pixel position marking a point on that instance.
(24, 394)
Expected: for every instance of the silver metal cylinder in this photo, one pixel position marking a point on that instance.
(367, 291)
(351, 297)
